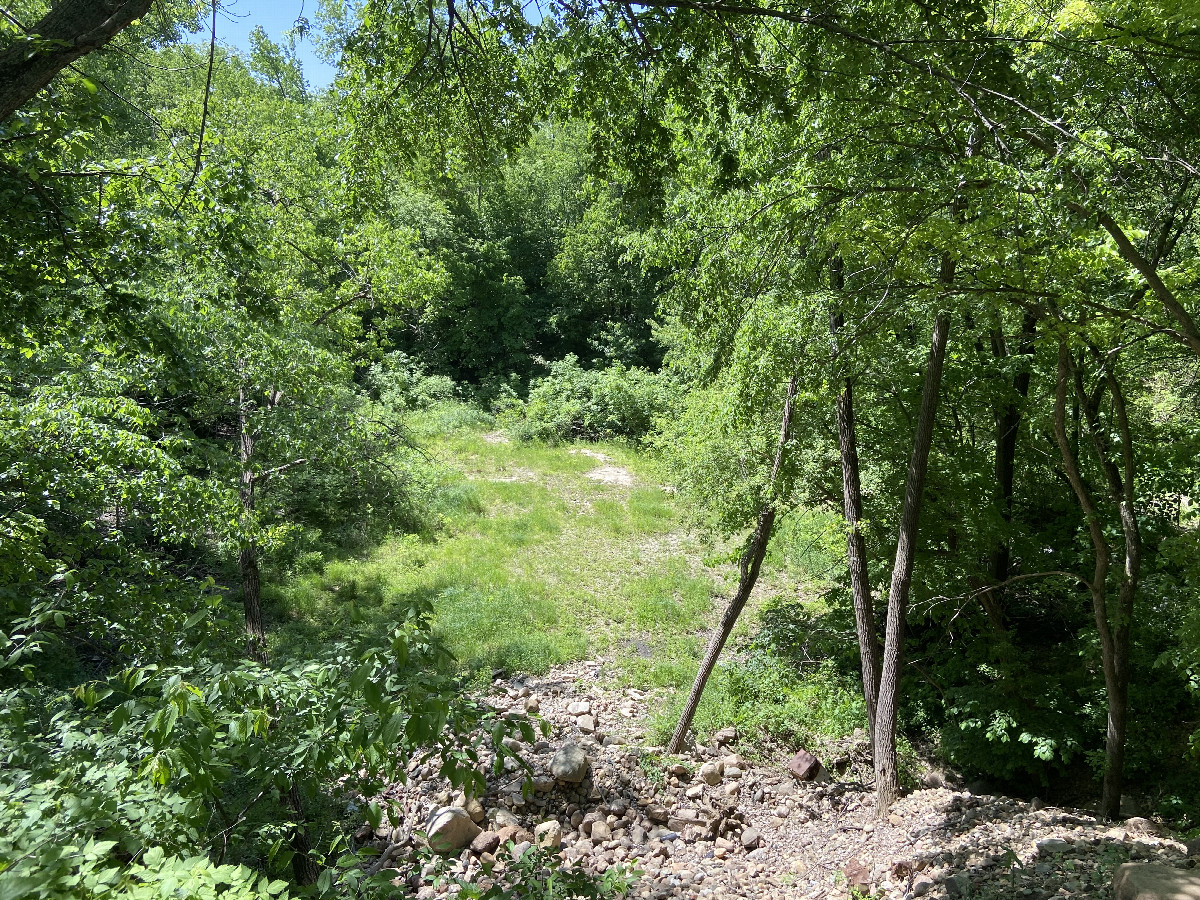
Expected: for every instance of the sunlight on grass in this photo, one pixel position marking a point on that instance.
(535, 564)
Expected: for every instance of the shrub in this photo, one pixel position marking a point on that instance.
(573, 403)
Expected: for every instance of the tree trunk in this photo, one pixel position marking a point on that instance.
(256, 631)
(749, 567)
(856, 545)
(70, 30)
(1008, 426)
(304, 868)
(887, 780)
(1114, 641)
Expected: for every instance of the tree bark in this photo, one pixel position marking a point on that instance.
(749, 566)
(1008, 426)
(70, 30)
(887, 780)
(256, 631)
(1114, 639)
(856, 545)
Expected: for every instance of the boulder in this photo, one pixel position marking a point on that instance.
(1193, 847)
(804, 766)
(1152, 881)
(600, 832)
(751, 838)
(549, 834)
(569, 764)
(579, 708)
(450, 828)
(587, 724)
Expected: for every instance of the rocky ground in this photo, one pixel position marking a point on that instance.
(712, 824)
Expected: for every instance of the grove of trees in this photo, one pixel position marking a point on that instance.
(929, 269)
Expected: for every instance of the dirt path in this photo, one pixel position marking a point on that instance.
(713, 824)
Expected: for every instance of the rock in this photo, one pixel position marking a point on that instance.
(542, 784)
(1140, 825)
(1052, 845)
(804, 766)
(503, 818)
(549, 834)
(587, 724)
(579, 708)
(725, 736)
(1192, 848)
(695, 792)
(450, 828)
(531, 706)
(520, 849)
(485, 842)
(751, 839)
(601, 832)
(1036, 804)
(857, 875)
(711, 772)
(922, 885)
(657, 813)
(364, 833)
(734, 760)
(1151, 881)
(569, 764)
(475, 810)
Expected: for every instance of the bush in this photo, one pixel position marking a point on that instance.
(573, 403)
(400, 382)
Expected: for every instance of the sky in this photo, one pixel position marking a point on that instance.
(237, 18)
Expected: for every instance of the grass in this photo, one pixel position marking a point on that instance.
(535, 564)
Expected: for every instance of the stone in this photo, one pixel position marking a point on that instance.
(475, 810)
(735, 760)
(587, 724)
(751, 838)
(711, 772)
(804, 766)
(725, 736)
(549, 834)
(569, 764)
(1052, 845)
(503, 818)
(1141, 825)
(657, 813)
(520, 849)
(579, 708)
(1192, 848)
(1152, 881)
(485, 842)
(450, 828)
(531, 706)
(601, 832)
(542, 784)
(922, 885)
(857, 875)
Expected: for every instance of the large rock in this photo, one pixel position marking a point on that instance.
(1151, 881)
(725, 736)
(569, 764)
(485, 842)
(450, 828)
(711, 772)
(804, 766)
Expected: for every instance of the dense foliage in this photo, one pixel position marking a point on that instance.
(227, 295)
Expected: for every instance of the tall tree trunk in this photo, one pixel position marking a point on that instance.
(256, 631)
(69, 31)
(304, 868)
(1008, 426)
(748, 567)
(887, 779)
(856, 555)
(1114, 639)
(856, 545)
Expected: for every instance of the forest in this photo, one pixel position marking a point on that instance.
(824, 374)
